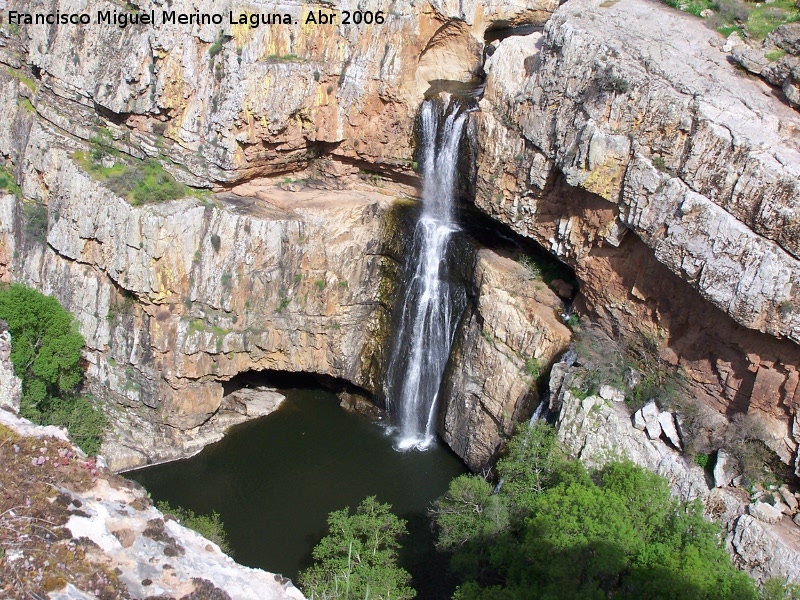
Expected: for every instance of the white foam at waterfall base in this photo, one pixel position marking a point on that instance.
(427, 323)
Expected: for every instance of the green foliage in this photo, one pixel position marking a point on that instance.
(209, 526)
(286, 58)
(22, 78)
(46, 354)
(123, 307)
(102, 145)
(35, 220)
(533, 368)
(46, 345)
(84, 420)
(320, 283)
(283, 304)
(7, 183)
(618, 363)
(701, 460)
(139, 182)
(775, 589)
(755, 21)
(148, 182)
(543, 266)
(775, 54)
(216, 47)
(357, 560)
(215, 242)
(616, 533)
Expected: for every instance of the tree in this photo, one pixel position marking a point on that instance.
(358, 558)
(45, 346)
(616, 533)
(46, 353)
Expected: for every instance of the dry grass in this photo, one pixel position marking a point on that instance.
(37, 553)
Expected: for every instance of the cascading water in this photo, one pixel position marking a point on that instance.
(429, 311)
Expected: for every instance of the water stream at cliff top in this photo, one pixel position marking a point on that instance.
(430, 307)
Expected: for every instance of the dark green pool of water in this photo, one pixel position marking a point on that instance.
(274, 481)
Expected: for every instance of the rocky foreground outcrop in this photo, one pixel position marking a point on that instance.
(74, 531)
(632, 149)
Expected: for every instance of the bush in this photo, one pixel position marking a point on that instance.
(83, 419)
(46, 354)
(7, 183)
(358, 558)
(35, 221)
(209, 526)
(613, 533)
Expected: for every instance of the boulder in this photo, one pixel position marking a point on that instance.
(653, 429)
(765, 512)
(610, 393)
(723, 470)
(788, 497)
(667, 422)
(639, 420)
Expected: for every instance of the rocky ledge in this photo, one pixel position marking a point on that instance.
(73, 530)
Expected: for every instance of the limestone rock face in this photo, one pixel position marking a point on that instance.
(10, 384)
(230, 101)
(668, 182)
(509, 333)
(218, 289)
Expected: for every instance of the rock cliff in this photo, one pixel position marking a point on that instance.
(668, 181)
(642, 159)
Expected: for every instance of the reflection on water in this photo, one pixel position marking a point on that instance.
(274, 481)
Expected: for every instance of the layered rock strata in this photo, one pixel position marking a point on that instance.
(668, 181)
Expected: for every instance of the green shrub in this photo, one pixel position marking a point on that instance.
(136, 181)
(209, 526)
(7, 183)
(553, 530)
(533, 368)
(216, 47)
(216, 242)
(46, 354)
(35, 221)
(84, 420)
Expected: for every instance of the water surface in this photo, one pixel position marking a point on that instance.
(274, 481)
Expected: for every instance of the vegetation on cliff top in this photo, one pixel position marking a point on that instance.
(554, 530)
(38, 554)
(754, 20)
(46, 353)
(209, 526)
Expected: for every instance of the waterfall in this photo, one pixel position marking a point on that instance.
(427, 315)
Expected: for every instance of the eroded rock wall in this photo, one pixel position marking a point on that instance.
(508, 336)
(642, 158)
